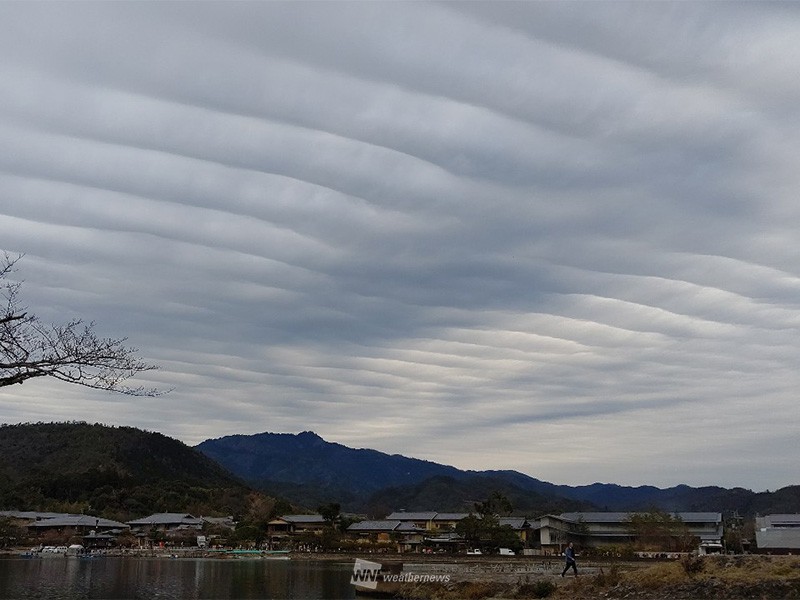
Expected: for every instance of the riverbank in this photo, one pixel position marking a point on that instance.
(714, 577)
(750, 577)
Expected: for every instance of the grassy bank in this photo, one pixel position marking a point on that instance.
(720, 577)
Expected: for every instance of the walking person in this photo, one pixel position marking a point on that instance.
(569, 555)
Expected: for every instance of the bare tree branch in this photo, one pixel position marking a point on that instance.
(71, 352)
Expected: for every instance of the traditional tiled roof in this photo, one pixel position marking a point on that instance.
(375, 526)
(450, 516)
(778, 532)
(166, 519)
(774, 539)
(778, 520)
(304, 518)
(77, 521)
(514, 522)
(222, 521)
(407, 527)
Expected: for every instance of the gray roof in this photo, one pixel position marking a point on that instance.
(514, 522)
(77, 521)
(408, 527)
(778, 531)
(450, 516)
(412, 516)
(303, 518)
(383, 525)
(167, 519)
(788, 538)
(778, 520)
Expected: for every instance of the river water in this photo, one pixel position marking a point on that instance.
(110, 578)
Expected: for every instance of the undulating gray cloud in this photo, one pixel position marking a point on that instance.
(551, 237)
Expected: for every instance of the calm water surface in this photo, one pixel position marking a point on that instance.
(122, 578)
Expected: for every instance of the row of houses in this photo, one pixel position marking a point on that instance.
(547, 534)
(437, 531)
(102, 533)
(412, 531)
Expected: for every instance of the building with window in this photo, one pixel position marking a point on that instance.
(778, 534)
(597, 529)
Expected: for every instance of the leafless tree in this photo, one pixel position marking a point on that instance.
(71, 352)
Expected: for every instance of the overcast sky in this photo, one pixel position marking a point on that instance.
(561, 238)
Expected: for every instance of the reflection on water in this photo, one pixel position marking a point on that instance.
(123, 578)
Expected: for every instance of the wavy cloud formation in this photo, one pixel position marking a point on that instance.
(558, 238)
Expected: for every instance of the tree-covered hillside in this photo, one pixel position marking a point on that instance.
(112, 471)
(446, 494)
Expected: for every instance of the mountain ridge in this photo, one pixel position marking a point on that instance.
(304, 465)
(307, 458)
(116, 471)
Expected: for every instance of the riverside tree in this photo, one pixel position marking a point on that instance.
(71, 352)
(659, 530)
(483, 530)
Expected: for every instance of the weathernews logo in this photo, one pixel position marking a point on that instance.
(368, 575)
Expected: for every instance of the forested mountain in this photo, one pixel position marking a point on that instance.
(111, 471)
(785, 500)
(447, 494)
(309, 470)
(306, 458)
(123, 472)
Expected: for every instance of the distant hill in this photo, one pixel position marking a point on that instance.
(307, 459)
(447, 494)
(613, 497)
(309, 470)
(785, 500)
(113, 471)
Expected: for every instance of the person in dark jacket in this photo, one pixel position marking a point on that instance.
(569, 555)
